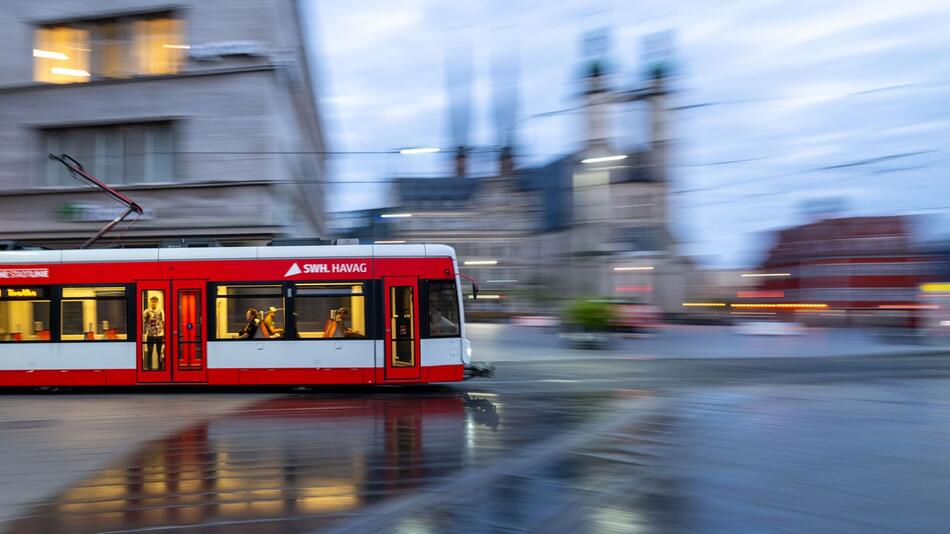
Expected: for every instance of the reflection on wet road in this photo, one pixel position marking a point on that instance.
(588, 446)
(296, 463)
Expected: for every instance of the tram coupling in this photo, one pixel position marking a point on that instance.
(479, 369)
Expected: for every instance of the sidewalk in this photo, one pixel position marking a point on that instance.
(503, 342)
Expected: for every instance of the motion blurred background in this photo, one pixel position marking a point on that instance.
(603, 165)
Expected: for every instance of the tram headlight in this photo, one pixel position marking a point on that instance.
(466, 351)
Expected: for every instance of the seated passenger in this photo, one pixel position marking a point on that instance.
(250, 330)
(342, 330)
(268, 328)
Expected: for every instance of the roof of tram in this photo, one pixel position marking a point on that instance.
(22, 257)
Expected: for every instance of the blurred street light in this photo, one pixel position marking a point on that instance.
(480, 262)
(604, 159)
(419, 150)
(396, 215)
(642, 268)
(762, 275)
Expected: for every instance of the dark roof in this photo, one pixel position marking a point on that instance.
(410, 191)
(554, 181)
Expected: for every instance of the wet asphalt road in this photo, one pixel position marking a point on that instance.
(579, 445)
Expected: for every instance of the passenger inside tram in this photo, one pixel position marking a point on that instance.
(342, 317)
(153, 330)
(269, 328)
(251, 330)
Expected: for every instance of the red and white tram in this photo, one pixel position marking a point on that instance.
(351, 314)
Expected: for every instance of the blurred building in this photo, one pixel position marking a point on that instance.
(494, 223)
(591, 223)
(858, 264)
(619, 243)
(201, 111)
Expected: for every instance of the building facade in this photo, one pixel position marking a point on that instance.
(867, 267)
(202, 112)
(591, 223)
(493, 222)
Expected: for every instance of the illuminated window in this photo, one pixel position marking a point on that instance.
(110, 48)
(94, 314)
(24, 314)
(233, 302)
(157, 45)
(61, 55)
(330, 310)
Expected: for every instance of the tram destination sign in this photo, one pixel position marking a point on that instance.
(23, 292)
(10, 274)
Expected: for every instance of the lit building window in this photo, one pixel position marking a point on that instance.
(112, 48)
(157, 46)
(61, 55)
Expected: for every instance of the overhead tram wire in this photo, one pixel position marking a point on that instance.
(756, 100)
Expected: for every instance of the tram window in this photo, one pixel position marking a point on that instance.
(233, 301)
(94, 314)
(22, 317)
(443, 312)
(330, 311)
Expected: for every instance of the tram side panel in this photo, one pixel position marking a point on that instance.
(272, 361)
(354, 361)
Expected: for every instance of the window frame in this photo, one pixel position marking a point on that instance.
(212, 315)
(372, 289)
(424, 332)
(125, 21)
(53, 311)
(368, 313)
(131, 317)
(51, 176)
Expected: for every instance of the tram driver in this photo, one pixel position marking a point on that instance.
(439, 324)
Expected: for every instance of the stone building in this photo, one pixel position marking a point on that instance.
(592, 223)
(202, 112)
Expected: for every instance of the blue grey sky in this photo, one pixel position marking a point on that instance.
(807, 99)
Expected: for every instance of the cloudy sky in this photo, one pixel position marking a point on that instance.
(778, 102)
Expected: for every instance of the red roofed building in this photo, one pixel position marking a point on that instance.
(850, 263)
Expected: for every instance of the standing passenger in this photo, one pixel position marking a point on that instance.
(153, 326)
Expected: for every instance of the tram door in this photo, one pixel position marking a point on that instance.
(401, 302)
(172, 346)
